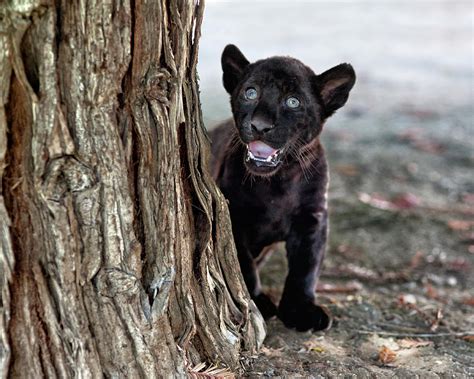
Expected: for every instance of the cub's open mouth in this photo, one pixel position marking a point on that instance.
(262, 155)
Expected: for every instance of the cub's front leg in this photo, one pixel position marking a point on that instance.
(305, 250)
(249, 269)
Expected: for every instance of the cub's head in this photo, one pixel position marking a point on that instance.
(280, 105)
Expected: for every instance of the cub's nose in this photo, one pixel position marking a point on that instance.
(261, 126)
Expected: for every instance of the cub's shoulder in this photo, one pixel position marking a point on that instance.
(221, 131)
(222, 135)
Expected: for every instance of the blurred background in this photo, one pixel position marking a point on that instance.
(400, 152)
(406, 53)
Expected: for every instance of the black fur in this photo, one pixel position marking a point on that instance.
(286, 202)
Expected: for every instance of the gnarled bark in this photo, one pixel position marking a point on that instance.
(116, 252)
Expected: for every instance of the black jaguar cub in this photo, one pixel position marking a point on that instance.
(270, 165)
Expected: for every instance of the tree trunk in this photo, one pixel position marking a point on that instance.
(116, 252)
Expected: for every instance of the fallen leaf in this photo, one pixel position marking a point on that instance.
(341, 135)
(375, 200)
(417, 140)
(386, 355)
(358, 271)
(407, 299)
(435, 324)
(468, 338)
(428, 146)
(398, 202)
(317, 349)
(347, 170)
(417, 259)
(408, 343)
(469, 301)
(468, 198)
(422, 114)
(353, 298)
(365, 274)
(431, 292)
(348, 251)
(461, 225)
(406, 201)
(467, 237)
(412, 168)
(458, 264)
(331, 288)
(411, 134)
(310, 346)
(200, 371)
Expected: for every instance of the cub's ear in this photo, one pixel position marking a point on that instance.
(233, 65)
(334, 85)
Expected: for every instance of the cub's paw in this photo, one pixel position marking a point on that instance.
(304, 315)
(265, 306)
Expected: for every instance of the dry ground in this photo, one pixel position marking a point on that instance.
(401, 253)
(398, 271)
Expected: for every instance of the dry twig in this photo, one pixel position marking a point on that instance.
(418, 335)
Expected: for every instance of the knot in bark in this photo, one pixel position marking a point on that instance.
(157, 85)
(66, 174)
(113, 282)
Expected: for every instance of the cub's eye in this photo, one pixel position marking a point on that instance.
(251, 93)
(292, 102)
